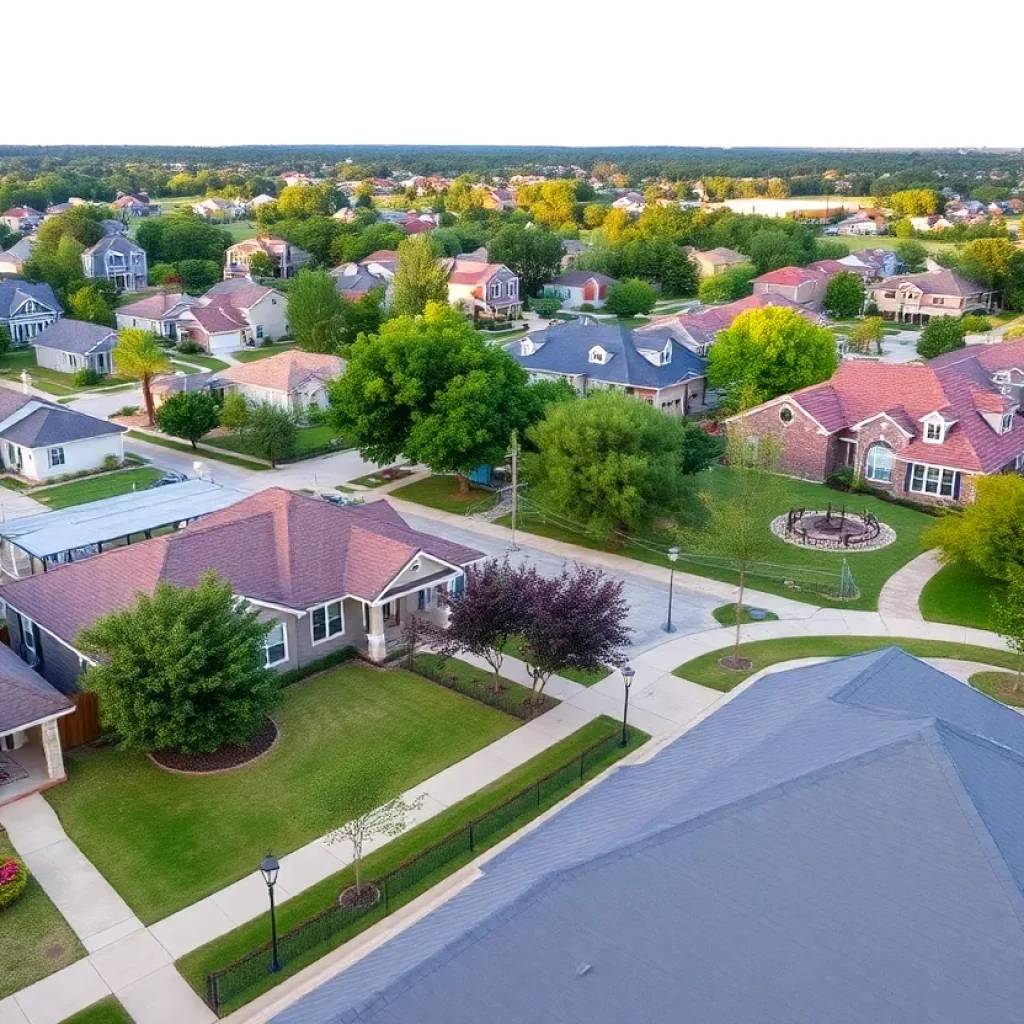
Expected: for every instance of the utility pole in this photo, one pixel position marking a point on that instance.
(514, 455)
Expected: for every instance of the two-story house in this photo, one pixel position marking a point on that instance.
(286, 258)
(23, 220)
(27, 308)
(487, 291)
(916, 298)
(806, 286)
(376, 271)
(232, 315)
(118, 260)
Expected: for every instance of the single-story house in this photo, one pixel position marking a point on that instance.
(924, 431)
(287, 259)
(73, 345)
(838, 842)
(135, 206)
(651, 365)
(31, 758)
(717, 261)
(21, 219)
(27, 308)
(358, 589)
(157, 313)
(632, 202)
(931, 223)
(488, 291)
(864, 222)
(40, 440)
(580, 287)
(572, 250)
(293, 380)
(916, 298)
(215, 208)
(166, 384)
(13, 260)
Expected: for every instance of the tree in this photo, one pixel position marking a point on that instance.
(89, 303)
(913, 254)
(261, 265)
(198, 276)
(5, 340)
(138, 354)
(734, 284)
(269, 431)
(769, 352)
(316, 311)
(362, 316)
(574, 621)
(609, 462)
(844, 296)
(307, 200)
(772, 248)
(183, 669)
(941, 334)
(533, 253)
(830, 249)
(551, 203)
(868, 334)
(432, 389)
(189, 415)
(987, 261)
(914, 202)
(628, 298)
(1010, 620)
(420, 278)
(594, 215)
(234, 413)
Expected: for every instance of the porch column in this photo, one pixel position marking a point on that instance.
(375, 644)
(51, 747)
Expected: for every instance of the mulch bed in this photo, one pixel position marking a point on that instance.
(220, 760)
(736, 664)
(366, 895)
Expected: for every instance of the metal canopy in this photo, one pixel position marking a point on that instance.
(97, 522)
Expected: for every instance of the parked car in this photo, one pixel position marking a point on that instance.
(170, 477)
(342, 499)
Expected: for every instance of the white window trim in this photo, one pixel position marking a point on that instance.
(1006, 423)
(941, 470)
(328, 635)
(266, 646)
(931, 425)
(50, 459)
(867, 464)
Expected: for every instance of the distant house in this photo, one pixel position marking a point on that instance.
(861, 223)
(488, 291)
(262, 199)
(632, 202)
(13, 260)
(354, 280)
(232, 315)
(806, 286)
(288, 259)
(40, 440)
(119, 260)
(114, 227)
(877, 263)
(293, 380)
(27, 308)
(579, 288)
(572, 249)
(72, 345)
(21, 219)
(916, 298)
(135, 206)
(717, 261)
(215, 208)
(932, 223)
(498, 198)
(650, 365)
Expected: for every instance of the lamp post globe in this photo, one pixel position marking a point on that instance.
(269, 868)
(673, 554)
(627, 682)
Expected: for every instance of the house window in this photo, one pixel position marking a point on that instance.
(55, 457)
(386, 611)
(1006, 424)
(879, 464)
(936, 301)
(933, 480)
(275, 646)
(327, 621)
(786, 414)
(259, 330)
(28, 640)
(426, 599)
(933, 432)
(598, 355)
(458, 585)
(513, 287)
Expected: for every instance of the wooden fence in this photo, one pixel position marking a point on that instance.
(83, 724)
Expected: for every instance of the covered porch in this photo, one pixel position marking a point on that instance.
(385, 620)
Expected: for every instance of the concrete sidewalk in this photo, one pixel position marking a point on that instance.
(901, 594)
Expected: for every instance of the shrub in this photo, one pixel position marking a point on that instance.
(973, 323)
(111, 462)
(842, 479)
(190, 347)
(629, 298)
(545, 305)
(941, 334)
(587, 307)
(127, 410)
(13, 879)
(86, 377)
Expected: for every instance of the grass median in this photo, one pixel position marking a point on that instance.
(200, 454)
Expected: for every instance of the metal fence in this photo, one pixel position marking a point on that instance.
(225, 985)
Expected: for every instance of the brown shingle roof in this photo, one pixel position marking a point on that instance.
(286, 371)
(25, 697)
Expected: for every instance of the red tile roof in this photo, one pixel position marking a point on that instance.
(718, 318)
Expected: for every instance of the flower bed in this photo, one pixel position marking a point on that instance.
(13, 879)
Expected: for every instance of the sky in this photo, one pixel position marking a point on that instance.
(789, 73)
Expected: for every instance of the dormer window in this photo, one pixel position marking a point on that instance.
(1006, 423)
(666, 354)
(598, 355)
(933, 431)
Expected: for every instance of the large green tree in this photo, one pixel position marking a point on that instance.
(941, 334)
(419, 279)
(431, 389)
(628, 298)
(183, 669)
(189, 415)
(138, 354)
(727, 287)
(844, 296)
(769, 352)
(316, 311)
(913, 255)
(533, 253)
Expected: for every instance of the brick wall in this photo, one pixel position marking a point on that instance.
(807, 452)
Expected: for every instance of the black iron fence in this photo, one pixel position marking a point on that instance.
(226, 985)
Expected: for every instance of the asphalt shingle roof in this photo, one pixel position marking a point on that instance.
(55, 425)
(76, 336)
(14, 291)
(25, 696)
(841, 843)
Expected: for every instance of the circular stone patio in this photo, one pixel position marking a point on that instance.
(829, 530)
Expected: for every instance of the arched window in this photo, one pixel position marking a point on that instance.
(879, 464)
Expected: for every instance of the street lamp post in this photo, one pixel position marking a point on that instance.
(269, 868)
(673, 554)
(627, 682)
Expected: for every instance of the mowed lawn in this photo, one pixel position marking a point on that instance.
(107, 485)
(351, 738)
(250, 355)
(962, 595)
(442, 492)
(307, 440)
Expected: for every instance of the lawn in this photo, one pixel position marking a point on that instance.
(309, 441)
(725, 615)
(706, 671)
(476, 680)
(217, 954)
(78, 492)
(196, 453)
(856, 242)
(106, 1011)
(798, 565)
(514, 648)
(442, 492)
(51, 381)
(962, 595)
(239, 230)
(209, 362)
(165, 841)
(1005, 687)
(35, 940)
(250, 355)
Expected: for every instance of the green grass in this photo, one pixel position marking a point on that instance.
(106, 1011)
(182, 446)
(962, 595)
(209, 362)
(514, 648)
(308, 441)
(725, 615)
(250, 355)
(165, 841)
(184, 367)
(481, 680)
(890, 242)
(35, 940)
(239, 230)
(78, 492)
(387, 475)
(706, 671)
(13, 484)
(1004, 687)
(442, 492)
(217, 954)
(51, 381)
(870, 569)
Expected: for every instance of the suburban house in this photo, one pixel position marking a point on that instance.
(215, 208)
(21, 219)
(931, 223)
(40, 440)
(716, 261)
(580, 287)
(261, 200)
(13, 260)
(357, 590)
(31, 757)
(157, 314)
(293, 380)
(119, 260)
(873, 264)
(698, 330)
(72, 345)
(806, 286)
(864, 222)
(924, 431)
(26, 308)
(650, 364)
(572, 250)
(632, 202)
(288, 259)
(264, 309)
(916, 298)
(354, 280)
(114, 227)
(487, 291)
(498, 199)
(135, 206)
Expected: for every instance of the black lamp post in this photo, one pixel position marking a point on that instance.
(627, 682)
(269, 868)
(673, 554)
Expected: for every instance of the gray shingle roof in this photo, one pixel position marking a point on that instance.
(25, 697)
(116, 242)
(840, 843)
(76, 336)
(578, 278)
(53, 424)
(14, 291)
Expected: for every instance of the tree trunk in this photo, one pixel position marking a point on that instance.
(357, 864)
(147, 397)
(739, 613)
(463, 483)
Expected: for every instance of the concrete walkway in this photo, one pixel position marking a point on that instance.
(901, 594)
